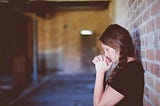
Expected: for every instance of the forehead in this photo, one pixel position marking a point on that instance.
(105, 46)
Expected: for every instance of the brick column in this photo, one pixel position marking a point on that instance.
(142, 19)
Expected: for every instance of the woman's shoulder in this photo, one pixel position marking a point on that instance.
(130, 69)
(134, 66)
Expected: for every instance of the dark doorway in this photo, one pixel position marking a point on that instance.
(88, 52)
(14, 42)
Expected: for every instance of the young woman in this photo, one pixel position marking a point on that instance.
(125, 84)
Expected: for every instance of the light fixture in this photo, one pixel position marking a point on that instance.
(86, 32)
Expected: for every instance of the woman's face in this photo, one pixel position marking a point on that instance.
(111, 53)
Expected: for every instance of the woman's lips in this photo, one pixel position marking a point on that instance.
(108, 58)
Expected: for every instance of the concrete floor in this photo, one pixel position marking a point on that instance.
(61, 90)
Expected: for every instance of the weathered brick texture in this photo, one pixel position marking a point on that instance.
(142, 19)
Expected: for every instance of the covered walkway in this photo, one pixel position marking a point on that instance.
(61, 90)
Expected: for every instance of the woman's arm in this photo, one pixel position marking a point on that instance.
(99, 87)
(109, 96)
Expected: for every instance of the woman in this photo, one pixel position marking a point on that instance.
(125, 84)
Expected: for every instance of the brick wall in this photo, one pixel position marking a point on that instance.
(142, 19)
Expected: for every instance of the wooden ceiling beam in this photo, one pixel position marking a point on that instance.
(34, 6)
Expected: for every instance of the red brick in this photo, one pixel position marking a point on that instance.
(135, 6)
(150, 81)
(152, 68)
(134, 16)
(150, 26)
(148, 2)
(139, 2)
(137, 11)
(156, 39)
(158, 54)
(157, 86)
(150, 54)
(140, 20)
(155, 8)
(154, 99)
(157, 22)
(146, 42)
(146, 15)
(146, 92)
(155, 69)
(130, 2)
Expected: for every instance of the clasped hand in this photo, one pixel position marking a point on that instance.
(102, 63)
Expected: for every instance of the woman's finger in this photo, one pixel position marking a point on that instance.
(99, 58)
(95, 59)
(108, 60)
(103, 58)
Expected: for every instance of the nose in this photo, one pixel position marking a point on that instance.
(106, 53)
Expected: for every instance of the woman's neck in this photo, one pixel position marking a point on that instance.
(129, 59)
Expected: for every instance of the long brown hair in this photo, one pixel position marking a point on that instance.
(119, 38)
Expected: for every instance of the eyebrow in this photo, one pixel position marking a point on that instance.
(105, 48)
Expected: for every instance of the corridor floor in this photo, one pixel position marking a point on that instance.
(62, 90)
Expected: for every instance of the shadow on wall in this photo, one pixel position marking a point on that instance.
(88, 52)
(42, 64)
(50, 62)
(137, 42)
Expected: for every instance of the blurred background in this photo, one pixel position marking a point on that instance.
(47, 46)
(43, 36)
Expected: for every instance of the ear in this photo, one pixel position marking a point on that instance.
(117, 54)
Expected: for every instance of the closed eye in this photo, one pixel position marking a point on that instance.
(105, 49)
